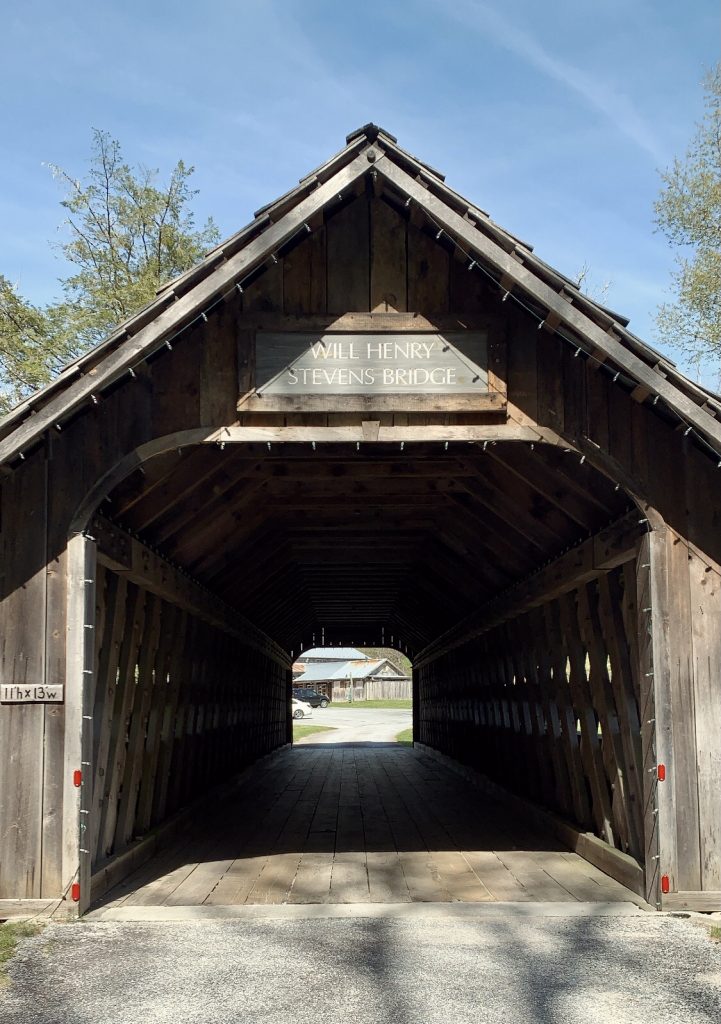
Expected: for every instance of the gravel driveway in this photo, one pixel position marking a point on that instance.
(436, 968)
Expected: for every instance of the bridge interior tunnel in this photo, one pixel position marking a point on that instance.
(397, 543)
(506, 571)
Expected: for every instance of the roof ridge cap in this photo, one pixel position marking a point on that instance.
(371, 132)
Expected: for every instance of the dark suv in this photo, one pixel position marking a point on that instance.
(312, 697)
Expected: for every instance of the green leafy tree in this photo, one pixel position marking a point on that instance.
(125, 236)
(688, 211)
(32, 346)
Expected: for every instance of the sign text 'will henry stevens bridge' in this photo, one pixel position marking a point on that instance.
(360, 364)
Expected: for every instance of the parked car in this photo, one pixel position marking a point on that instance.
(310, 696)
(299, 709)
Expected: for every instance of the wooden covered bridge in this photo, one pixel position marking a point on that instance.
(371, 417)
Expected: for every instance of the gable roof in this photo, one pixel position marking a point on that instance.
(344, 670)
(511, 263)
(333, 654)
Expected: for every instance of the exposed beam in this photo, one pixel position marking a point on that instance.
(612, 546)
(543, 519)
(546, 481)
(124, 554)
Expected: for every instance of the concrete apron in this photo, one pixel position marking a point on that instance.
(391, 911)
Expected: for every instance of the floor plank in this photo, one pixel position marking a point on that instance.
(312, 880)
(361, 824)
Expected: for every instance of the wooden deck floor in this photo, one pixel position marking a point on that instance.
(361, 824)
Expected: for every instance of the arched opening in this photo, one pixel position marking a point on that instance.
(504, 571)
(357, 695)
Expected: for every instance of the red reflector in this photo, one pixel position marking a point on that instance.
(665, 883)
(661, 773)
(77, 777)
(75, 892)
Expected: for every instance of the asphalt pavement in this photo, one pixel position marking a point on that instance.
(358, 724)
(432, 968)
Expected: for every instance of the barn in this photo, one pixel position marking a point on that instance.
(344, 673)
(371, 417)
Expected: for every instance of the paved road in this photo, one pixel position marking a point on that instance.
(437, 968)
(358, 725)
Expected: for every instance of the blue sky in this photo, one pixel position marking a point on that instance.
(554, 117)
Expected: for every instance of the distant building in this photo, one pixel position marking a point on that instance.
(336, 670)
(317, 654)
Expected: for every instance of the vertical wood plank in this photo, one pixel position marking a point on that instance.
(304, 276)
(705, 584)
(470, 290)
(22, 661)
(56, 595)
(174, 387)
(612, 625)
(625, 822)
(519, 344)
(78, 734)
(657, 615)
(683, 774)
(567, 714)
(347, 235)
(428, 269)
(106, 693)
(388, 284)
(145, 681)
(583, 702)
(647, 712)
(160, 696)
(551, 392)
(219, 370)
(122, 710)
(184, 637)
(265, 294)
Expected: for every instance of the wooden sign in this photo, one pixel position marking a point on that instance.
(14, 693)
(371, 370)
(359, 364)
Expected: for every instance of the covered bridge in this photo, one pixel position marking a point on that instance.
(370, 417)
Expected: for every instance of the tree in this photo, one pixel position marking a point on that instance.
(688, 211)
(596, 290)
(29, 351)
(125, 237)
(395, 657)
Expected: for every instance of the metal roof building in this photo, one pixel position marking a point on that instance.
(332, 654)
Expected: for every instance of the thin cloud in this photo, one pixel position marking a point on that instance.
(598, 95)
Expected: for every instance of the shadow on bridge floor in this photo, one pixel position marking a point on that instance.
(360, 823)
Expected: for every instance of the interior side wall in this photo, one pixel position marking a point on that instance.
(179, 707)
(546, 705)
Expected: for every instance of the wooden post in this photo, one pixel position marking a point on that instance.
(78, 736)
(655, 620)
(647, 712)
